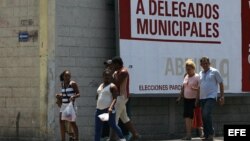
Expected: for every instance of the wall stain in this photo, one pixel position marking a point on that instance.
(17, 124)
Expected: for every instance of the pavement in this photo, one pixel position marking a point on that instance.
(194, 139)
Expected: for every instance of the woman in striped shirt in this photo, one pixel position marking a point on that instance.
(68, 93)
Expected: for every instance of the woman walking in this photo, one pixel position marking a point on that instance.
(190, 94)
(106, 98)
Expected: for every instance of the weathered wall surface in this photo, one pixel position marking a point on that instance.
(85, 38)
(19, 70)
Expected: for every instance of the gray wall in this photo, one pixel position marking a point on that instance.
(19, 70)
(161, 117)
(85, 38)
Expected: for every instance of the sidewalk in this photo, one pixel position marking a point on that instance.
(194, 139)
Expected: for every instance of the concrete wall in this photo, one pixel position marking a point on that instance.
(19, 70)
(85, 38)
(161, 118)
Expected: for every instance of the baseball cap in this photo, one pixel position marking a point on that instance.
(107, 62)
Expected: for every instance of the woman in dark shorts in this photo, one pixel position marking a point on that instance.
(190, 94)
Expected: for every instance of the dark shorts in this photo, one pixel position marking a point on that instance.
(189, 105)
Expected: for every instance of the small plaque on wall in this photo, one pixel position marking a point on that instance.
(23, 36)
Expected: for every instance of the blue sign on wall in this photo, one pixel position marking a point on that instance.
(23, 36)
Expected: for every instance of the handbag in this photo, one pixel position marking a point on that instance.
(59, 102)
(197, 120)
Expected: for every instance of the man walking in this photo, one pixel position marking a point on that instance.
(210, 79)
(121, 80)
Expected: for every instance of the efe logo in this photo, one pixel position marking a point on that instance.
(236, 132)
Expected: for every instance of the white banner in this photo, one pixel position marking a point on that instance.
(164, 33)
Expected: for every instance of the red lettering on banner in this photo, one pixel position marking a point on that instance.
(175, 32)
(174, 9)
(208, 27)
(182, 12)
(216, 30)
(162, 28)
(245, 10)
(216, 12)
(194, 31)
(153, 27)
(186, 27)
(140, 7)
(152, 7)
(160, 8)
(182, 9)
(142, 28)
(199, 10)
(167, 9)
(177, 28)
(208, 9)
(191, 11)
(200, 31)
(170, 26)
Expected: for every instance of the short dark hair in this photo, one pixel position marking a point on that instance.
(117, 60)
(62, 75)
(203, 59)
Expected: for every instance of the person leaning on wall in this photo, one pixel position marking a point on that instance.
(69, 92)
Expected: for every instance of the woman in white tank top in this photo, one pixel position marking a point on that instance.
(106, 98)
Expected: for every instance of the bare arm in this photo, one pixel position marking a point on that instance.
(115, 93)
(197, 97)
(76, 89)
(181, 95)
(221, 100)
(121, 77)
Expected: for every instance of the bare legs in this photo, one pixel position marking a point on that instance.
(62, 129)
(132, 129)
(188, 122)
(75, 129)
